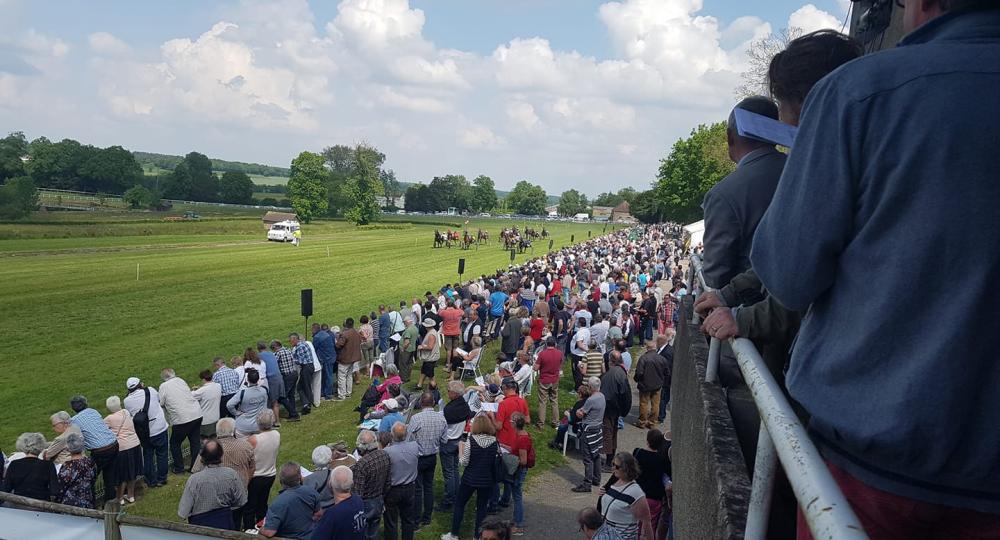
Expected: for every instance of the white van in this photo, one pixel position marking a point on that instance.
(282, 231)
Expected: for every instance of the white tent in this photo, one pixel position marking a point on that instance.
(697, 232)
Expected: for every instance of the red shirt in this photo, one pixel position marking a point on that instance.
(451, 321)
(510, 405)
(537, 327)
(523, 442)
(549, 365)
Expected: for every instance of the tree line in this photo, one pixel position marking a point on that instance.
(169, 162)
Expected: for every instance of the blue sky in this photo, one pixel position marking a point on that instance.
(566, 93)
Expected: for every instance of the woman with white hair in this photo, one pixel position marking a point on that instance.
(77, 475)
(265, 454)
(128, 462)
(31, 476)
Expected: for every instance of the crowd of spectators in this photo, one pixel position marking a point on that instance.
(585, 305)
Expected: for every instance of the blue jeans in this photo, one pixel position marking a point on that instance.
(449, 470)
(329, 378)
(664, 400)
(516, 488)
(647, 329)
(157, 445)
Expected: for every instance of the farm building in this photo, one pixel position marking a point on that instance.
(622, 214)
(601, 213)
(271, 218)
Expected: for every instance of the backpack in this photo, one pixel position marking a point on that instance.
(141, 420)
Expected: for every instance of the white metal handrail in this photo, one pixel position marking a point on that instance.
(783, 439)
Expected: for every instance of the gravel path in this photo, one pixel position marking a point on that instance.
(550, 507)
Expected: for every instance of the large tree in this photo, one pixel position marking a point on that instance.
(449, 191)
(18, 198)
(572, 202)
(527, 198)
(204, 183)
(236, 188)
(307, 186)
(645, 207)
(57, 165)
(484, 194)
(608, 199)
(111, 170)
(364, 186)
(416, 199)
(13, 148)
(694, 165)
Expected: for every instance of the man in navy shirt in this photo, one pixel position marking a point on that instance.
(894, 164)
(294, 512)
(345, 520)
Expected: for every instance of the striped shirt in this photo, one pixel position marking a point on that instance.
(227, 379)
(286, 363)
(96, 433)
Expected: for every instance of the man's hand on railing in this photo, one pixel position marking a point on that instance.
(706, 302)
(721, 324)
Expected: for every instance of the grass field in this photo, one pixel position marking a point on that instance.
(78, 320)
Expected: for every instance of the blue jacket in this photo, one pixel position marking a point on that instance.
(885, 226)
(326, 350)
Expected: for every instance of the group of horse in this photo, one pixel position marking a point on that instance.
(465, 239)
(510, 238)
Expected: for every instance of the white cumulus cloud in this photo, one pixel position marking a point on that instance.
(810, 18)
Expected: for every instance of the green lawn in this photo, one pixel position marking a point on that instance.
(77, 318)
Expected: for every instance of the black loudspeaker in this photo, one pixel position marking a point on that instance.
(588, 234)
(572, 238)
(512, 255)
(550, 244)
(307, 302)
(461, 266)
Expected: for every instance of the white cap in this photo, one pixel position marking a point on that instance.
(391, 404)
(132, 382)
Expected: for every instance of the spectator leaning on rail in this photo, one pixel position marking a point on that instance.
(57, 452)
(212, 495)
(152, 433)
(100, 440)
(128, 462)
(209, 396)
(184, 415)
(734, 206)
(32, 476)
(247, 404)
(229, 383)
(863, 177)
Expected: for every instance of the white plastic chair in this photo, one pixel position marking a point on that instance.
(380, 362)
(471, 366)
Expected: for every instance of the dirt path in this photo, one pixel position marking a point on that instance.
(550, 507)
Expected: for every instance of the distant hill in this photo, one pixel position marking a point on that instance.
(168, 162)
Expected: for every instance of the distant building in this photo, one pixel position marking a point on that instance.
(601, 213)
(271, 218)
(622, 214)
(398, 202)
(552, 211)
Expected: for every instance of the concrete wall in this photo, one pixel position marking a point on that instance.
(711, 484)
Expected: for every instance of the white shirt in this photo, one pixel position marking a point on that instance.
(418, 313)
(137, 398)
(261, 370)
(209, 396)
(265, 454)
(523, 374)
(582, 335)
(540, 290)
(178, 402)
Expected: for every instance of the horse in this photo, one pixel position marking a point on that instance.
(440, 240)
(545, 233)
(467, 240)
(483, 237)
(523, 244)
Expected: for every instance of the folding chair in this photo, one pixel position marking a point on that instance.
(471, 367)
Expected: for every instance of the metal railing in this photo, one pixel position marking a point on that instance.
(782, 439)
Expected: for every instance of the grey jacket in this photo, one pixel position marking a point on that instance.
(732, 210)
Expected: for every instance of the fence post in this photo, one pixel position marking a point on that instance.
(765, 464)
(712, 368)
(111, 531)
